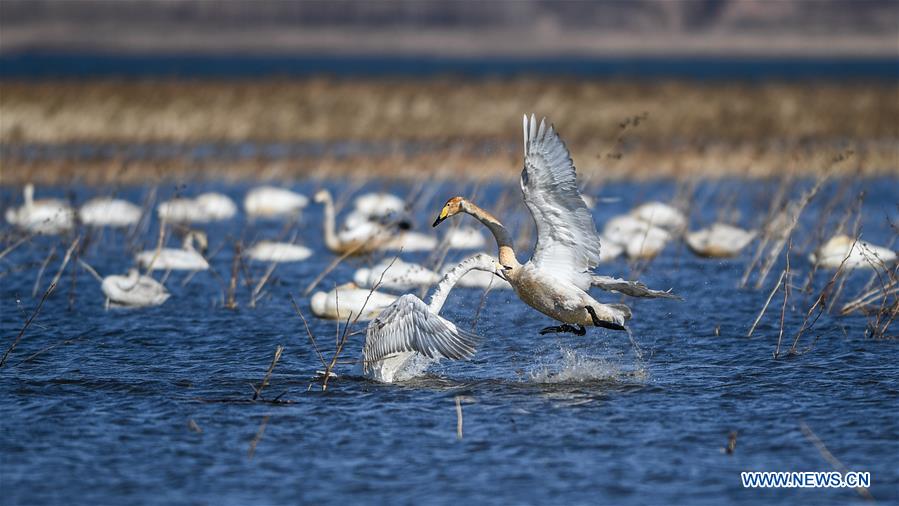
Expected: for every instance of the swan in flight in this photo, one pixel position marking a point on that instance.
(203, 208)
(45, 216)
(856, 253)
(368, 236)
(395, 275)
(720, 240)
(409, 328)
(134, 290)
(187, 258)
(109, 212)
(273, 202)
(270, 251)
(555, 281)
(346, 301)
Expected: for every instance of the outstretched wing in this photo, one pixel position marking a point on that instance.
(567, 241)
(408, 325)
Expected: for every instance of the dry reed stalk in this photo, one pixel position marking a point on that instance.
(90, 270)
(40, 272)
(783, 309)
(767, 302)
(458, 418)
(45, 349)
(830, 458)
(232, 285)
(15, 245)
(65, 260)
(27, 324)
(308, 331)
(257, 291)
(257, 391)
(334, 263)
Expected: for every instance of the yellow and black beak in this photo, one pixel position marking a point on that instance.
(443, 215)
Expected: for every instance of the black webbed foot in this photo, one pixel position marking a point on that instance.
(601, 323)
(564, 328)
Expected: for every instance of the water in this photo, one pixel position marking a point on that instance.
(103, 413)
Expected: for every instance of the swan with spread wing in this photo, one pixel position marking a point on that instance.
(409, 328)
(556, 280)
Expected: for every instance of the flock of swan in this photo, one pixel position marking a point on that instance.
(404, 330)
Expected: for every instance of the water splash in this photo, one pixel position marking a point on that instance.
(575, 367)
(413, 368)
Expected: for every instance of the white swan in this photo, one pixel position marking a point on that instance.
(637, 238)
(720, 240)
(45, 216)
(380, 208)
(395, 274)
(409, 328)
(368, 236)
(465, 238)
(109, 212)
(134, 290)
(186, 259)
(660, 215)
(204, 208)
(856, 253)
(555, 281)
(272, 202)
(346, 301)
(270, 251)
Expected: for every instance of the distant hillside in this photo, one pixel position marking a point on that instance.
(524, 27)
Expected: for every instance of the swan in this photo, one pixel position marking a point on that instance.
(856, 253)
(45, 216)
(346, 301)
(134, 290)
(555, 281)
(409, 328)
(395, 275)
(482, 279)
(465, 238)
(660, 215)
(381, 208)
(109, 212)
(637, 238)
(204, 208)
(272, 202)
(368, 236)
(720, 240)
(270, 251)
(186, 258)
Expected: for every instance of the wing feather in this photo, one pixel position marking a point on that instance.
(408, 325)
(567, 241)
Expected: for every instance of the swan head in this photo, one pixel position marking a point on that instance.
(322, 196)
(198, 239)
(452, 207)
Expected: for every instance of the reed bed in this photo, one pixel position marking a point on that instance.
(439, 127)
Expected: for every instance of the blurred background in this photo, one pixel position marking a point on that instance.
(144, 89)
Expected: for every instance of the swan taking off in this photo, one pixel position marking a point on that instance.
(273, 202)
(185, 259)
(45, 216)
(410, 328)
(555, 281)
(719, 240)
(270, 251)
(856, 253)
(395, 275)
(134, 290)
(204, 208)
(348, 300)
(109, 212)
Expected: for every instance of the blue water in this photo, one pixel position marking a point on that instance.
(43, 65)
(97, 404)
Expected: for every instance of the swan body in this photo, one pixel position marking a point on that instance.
(272, 202)
(45, 216)
(465, 238)
(636, 237)
(187, 258)
(204, 208)
(556, 279)
(719, 240)
(348, 300)
(109, 212)
(134, 290)
(660, 215)
(270, 251)
(368, 236)
(610, 250)
(409, 329)
(395, 275)
(857, 254)
(379, 208)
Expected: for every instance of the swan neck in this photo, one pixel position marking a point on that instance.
(445, 286)
(28, 194)
(330, 224)
(506, 252)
